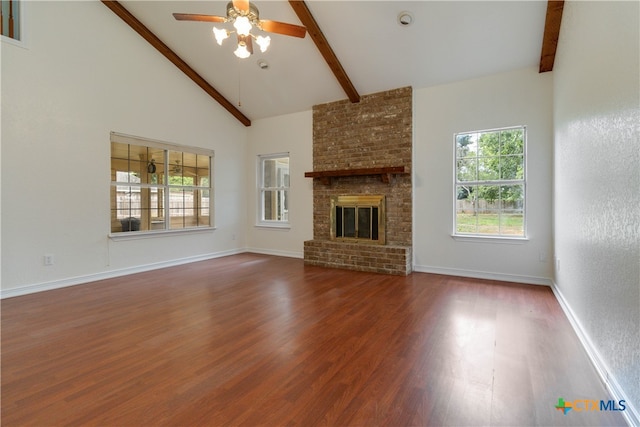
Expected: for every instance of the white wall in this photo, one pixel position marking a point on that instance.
(290, 133)
(597, 182)
(85, 73)
(521, 97)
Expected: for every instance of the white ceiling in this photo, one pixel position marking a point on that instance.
(448, 41)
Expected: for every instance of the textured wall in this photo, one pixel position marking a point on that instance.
(597, 180)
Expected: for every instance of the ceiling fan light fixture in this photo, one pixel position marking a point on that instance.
(242, 52)
(242, 25)
(263, 42)
(244, 16)
(220, 35)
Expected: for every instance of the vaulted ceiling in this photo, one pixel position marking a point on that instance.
(447, 41)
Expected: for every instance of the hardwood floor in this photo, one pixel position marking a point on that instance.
(260, 340)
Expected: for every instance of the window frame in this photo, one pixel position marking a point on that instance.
(491, 237)
(20, 24)
(261, 189)
(165, 186)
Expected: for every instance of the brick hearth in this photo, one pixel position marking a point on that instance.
(357, 256)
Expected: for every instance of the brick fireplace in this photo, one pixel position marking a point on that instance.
(363, 149)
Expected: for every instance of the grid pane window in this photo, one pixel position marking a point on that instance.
(273, 189)
(10, 22)
(490, 182)
(149, 182)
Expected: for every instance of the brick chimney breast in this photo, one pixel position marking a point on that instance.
(374, 133)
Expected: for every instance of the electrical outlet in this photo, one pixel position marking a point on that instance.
(48, 259)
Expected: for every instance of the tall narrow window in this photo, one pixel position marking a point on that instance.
(490, 182)
(10, 19)
(158, 186)
(273, 201)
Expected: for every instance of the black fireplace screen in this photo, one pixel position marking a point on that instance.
(357, 222)
(358, 218)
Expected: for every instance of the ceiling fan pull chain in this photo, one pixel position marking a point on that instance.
(239, 94)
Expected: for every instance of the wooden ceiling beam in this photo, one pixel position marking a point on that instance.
(304, 14)
(146, 34)
(551, 34)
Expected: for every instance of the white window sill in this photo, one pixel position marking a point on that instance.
(135, 235)
(489, 239)
(18, 43)
(275, 225)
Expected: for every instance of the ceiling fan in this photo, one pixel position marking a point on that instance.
(244, 16)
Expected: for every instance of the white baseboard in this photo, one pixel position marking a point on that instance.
(531, 280)
(80, 280)
(631, 413)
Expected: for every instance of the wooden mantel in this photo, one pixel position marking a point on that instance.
(384, 173)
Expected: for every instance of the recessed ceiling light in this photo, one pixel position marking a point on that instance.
(405, 19)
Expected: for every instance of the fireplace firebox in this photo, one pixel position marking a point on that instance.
(358, 218)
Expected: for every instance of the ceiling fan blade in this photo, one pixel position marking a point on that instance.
(283, 28)
(242, 5)
(200, 18)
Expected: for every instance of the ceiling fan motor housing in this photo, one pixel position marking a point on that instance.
(253, 14)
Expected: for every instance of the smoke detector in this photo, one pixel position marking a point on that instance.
(405, 19)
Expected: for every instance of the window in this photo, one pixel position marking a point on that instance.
(10, 18)
(273, 204)
(157, 186)
(490, 182)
